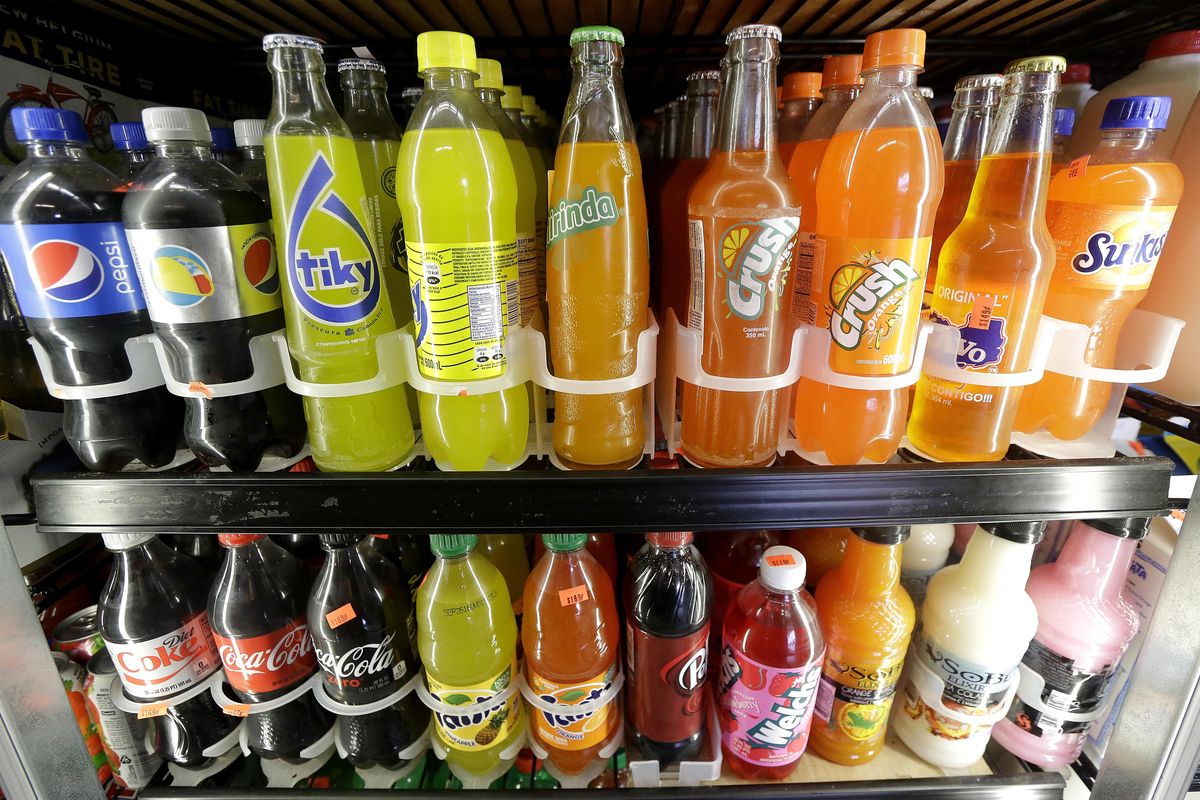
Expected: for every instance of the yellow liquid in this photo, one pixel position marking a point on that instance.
(527, 258)
(507, 554)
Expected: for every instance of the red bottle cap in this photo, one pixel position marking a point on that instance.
(670, 539)
(1174, 44)
(238, 539)
(842, 71)
(895, 48)
(1078, 73)
(798, 85)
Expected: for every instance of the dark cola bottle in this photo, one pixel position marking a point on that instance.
(410, 553)
(362, 627)
(258, 613)
(153, 620)
(203, 549)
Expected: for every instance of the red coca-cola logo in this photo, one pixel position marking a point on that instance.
(269, 662)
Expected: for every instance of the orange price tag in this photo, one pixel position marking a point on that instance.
(340, 616)
(981, 312)
(1078, 167)
(569, 597)
(785, 560)
(155, 710)
(239, 710)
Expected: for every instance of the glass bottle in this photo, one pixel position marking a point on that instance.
(511, 102)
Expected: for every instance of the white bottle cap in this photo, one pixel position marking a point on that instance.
(249, 132)
(169, 123)
(782, 568)
(124, 541)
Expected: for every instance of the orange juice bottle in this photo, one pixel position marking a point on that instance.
(743, 216)
(867, 619)
(801, 95)
(598, 275)
(878, 188)
(993, 274)
(1109, 218)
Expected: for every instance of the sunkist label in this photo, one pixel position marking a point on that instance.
(168, 664)
(765, 712)
(1107, 247)
(564, 729)
(855, 698)
(1055, 696)
(476, 729)
(269, 662)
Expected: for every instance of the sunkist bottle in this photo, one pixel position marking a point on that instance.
(597, 272)
(510, 101)
(992, 275)
(507, 553)
(743, 216)
(879, 184)
(1064, 121)
(458, 196)
(1109, 218)
(771, 656)
(867, 619)
(334, 298)
(962, 669)
(801, 98)
(925, 553)
(822, 548)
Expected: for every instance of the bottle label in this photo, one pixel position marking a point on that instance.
(765, 712)
(665, 681)
(973, 690)
(462, 295)
(360, 669)
(855, 698)
(562, 729)
(803, 307)
(207, 274)
(71, 270)
(938, 725)
(1055, 696)
(527, 277)
(594, 209)
(478, 729)
(167, 665)
(270, 662)
(1114, 248)
(983, 337)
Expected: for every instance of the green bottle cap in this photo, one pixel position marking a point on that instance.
(564, 542)
(452, 545)
(597, 33)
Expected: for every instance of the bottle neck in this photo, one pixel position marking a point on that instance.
(1096, 561)
(445, 78)
(996, 565)
(894, 78)
(514, 114)
(970, 124)
(137, 156)
(45, 148)
(870, 569)
(1015, 188)
(365, 93)
(184, 149)
(490, 97)
(699, 125)
(1137, 142)
(596, 110)
(298, 75)
(252, 153)
(746, 121)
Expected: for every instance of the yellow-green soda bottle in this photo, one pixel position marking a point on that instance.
(507, 553)
(511, 102)
(529, 115)
(467, 638)
(334, 299)
(458, 197)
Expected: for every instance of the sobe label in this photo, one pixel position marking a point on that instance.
(1108, 247)
(855, 698)
(272, 661)
(167, 665)
(360, 670)
(973, 690)
(476, 729)
(1055, 696)
(71, 270)
(573, 731)
(765, 712)
(207, 274)
(665, 683)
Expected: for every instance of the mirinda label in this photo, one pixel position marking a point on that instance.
(1114, 248)
(476, 729)
(765, 713)
(573, 731)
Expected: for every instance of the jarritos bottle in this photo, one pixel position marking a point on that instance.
(743, 216)
(458, 196)
(335, 303)
(877, 190)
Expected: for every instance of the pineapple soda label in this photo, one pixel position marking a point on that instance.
(476, 728)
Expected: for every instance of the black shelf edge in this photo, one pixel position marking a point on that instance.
(631, 501)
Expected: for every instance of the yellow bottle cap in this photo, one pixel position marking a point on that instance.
(528, 104)
(511, 97)
(1037, 64)
(491, 76)
(445, 49)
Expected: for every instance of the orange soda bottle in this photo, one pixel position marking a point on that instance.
(993, 274)
(879, 185)
(1109, 216)
(801, 95)
(822, 548)
(602, 546)
(743, 215)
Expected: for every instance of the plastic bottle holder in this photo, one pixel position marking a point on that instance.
(506, 756)
(644, 773)
(146, 709)
(600, 763)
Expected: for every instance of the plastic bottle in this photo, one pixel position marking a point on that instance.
(733, 559)
(1109, 220)
(597, 272)
(572, 641)
(510, 101)
(866, 618)
(743, 216)
(333, 316)
(529, 116)
(993, 274)
(201, 240)
(823, 549)
(458, 196)
(977, 622)
(801, 98)
(129, 139)
(224, 147)
(409, 552)
(201, 548)
(1076, 88)
(72, 272)
(507, 554)
(409, 97)
(658, 173)
(879, 185)
(1064, 122)
(602, 546)
(771, 659)
(925, 553)
(248, 133)
(467, 638)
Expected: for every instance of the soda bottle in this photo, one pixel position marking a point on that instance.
(771, 656)
(992, 275)
(972, 112)
(925, 553)
(129, 140)
(733, 560)
(822, 548)
(360, 617)
(667, 614)
(467, 638)
(154, 600)
(801, 95)
(201, 548)
(743, 216)
(410, 553)
(1064, 122)
(507, 554)
(458, 196)
(258, 612)
(70, 267)
(867, 619)
(572, 639)
(201, 241)
(224, 147)
(602, 546)
(409, 97)
(598, 273)
(334, 301)
(529, 116)
(511, 101)
(1109, 220)
(659, 172)
(253, 166)
(879, 184)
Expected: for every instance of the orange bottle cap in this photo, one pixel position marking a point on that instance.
(798, 85)
(894, 48)
(842, 71)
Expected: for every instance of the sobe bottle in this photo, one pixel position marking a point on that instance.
(201, 240)
(879, 184)
(129, 139)
(154, 602)
(925, 553)
(597, 268)
(511, 102)
(801, 98)
(253, 167)
(71, 270)
(1109, 220)
(335, 302)
(992, 275)
(743, 216)
(458, 196)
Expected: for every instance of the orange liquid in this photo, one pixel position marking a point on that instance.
(803, 166)
(676, 259)
(960, 177)
(822, 548)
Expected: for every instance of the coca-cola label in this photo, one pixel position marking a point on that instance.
(666, 683)
(166, 665)
(268, 663)
(359, 672)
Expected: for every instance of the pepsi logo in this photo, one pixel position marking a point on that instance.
(181, 276)
(258, 265)
(66, 271)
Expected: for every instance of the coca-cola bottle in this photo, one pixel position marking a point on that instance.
(153, 621)
(258, 613)
(361, 621)
(408, 552)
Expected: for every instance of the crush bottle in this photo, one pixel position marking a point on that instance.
(510, 101)
(801, 98)
(335, 302)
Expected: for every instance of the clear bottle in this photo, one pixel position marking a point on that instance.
(510, 101)
(1076, 88)
(507, 553)
(409, 97)
(1064, 122)
(224, 147)
(529, 116)
(129, 139)
(801, 94)
(253, 170)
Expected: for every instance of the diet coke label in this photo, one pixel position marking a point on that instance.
(358, 672)
(264, 664)
(166, 665)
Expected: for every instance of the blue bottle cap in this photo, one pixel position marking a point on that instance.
(52, 124)
(129, 136)
(1064, 121)
(223, 139)
(1142, 111)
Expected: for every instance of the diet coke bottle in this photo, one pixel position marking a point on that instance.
(257, 608)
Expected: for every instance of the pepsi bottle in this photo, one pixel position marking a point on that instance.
(253, 169)
(224, 147)
(202, 243)
(129, 140)
(73, 276)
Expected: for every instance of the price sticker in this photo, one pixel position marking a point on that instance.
(576, 594)
(981, 312)
(238, 710)
(783, 560)
(1078, 167)
(340, 616)
(154, 710)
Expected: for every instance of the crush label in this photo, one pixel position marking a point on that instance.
(476, 729)
(855, 698)
(1107, 247)
(765, 713)
(168, 664)
(573, 731)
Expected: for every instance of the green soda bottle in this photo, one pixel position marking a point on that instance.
(511, 102)
(334, 300)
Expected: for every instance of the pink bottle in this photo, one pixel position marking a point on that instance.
(1084, 625)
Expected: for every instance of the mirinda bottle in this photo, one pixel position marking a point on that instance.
(743, 215)
(801, 95)
(877, 191)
